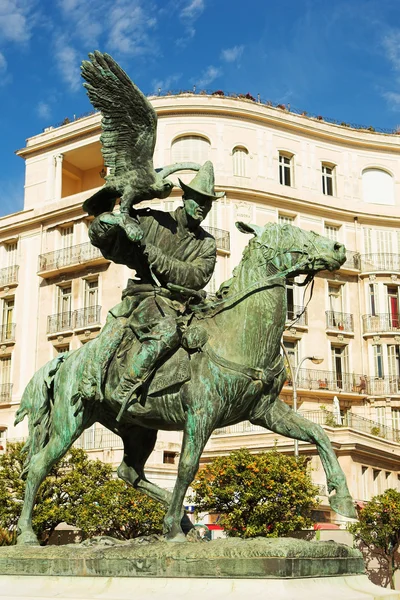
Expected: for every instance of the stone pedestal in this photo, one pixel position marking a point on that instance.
(261, 569)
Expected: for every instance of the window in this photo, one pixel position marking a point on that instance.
(373, 298)
(169, 458)
(5, 370)
(332, 232)
(11, 254)
(376, 475)
(64, 311)
(393, 305)
(395, 412)
(62, 349)
(327, 180)
(193, 148)
(91, 292)
(240, 157)
(381, 415)
(378, 360)
(335, 295)
(285, 220)
(340, 365)
(377, 187)
(394, 367)
(285, 169)
(7, 322)
(364, 481)
(290, 300)
(91, 312)
(3, 439)
(292, 350)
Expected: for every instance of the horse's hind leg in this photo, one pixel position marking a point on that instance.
(280, 418)
(138, 445)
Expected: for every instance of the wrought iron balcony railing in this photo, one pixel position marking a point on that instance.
(9, 275)
(380, 262)
(339, 321)
(323, 418)
(315, 379)
(222, 237)
(77, 319)
(353, 260)
(87, 316)
(60, 322)
(297, 314)
(68, 256)
(381, 322)
(7, 333)
(5, 393)
(383, 386)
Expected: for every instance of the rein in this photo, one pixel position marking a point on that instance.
(225, 303)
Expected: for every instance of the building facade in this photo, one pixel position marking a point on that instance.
(275, 166)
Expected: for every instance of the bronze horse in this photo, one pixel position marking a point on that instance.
(236, 374)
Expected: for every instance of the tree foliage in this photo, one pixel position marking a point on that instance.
(80, 492)
(378, 527)
(267, 494)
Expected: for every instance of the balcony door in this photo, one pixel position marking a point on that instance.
(64, 307)
(340, 364)
(394, 367)
(67, 235)
(8, 313)
(91, 300)
(393, 305)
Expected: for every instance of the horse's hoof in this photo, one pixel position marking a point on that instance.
(27, 538)
(343, 505)
(178, 537)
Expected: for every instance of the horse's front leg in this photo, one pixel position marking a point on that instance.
(280, 418)
(195, 435)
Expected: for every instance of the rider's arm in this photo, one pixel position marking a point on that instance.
(195, 274)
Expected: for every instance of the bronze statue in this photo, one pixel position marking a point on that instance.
(168, 358)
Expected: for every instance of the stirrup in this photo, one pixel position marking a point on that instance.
(127, 400)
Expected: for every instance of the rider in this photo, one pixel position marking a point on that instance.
(168, 248)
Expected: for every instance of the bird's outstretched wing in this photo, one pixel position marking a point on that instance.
(129, 121)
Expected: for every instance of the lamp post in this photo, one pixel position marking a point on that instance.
(317, 360)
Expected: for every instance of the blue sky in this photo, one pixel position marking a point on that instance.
(338, 59)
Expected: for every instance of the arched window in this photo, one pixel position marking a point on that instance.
(240, 157)
(190, 148)
(377, 186)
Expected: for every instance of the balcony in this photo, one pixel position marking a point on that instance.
(388, 263)
(324, 418)
(6, 393)
(384, 322)
(383, 386)
(296, 316)
(353, 261)
(85, 317)
(7, 333)
(222, 238)
(339, 321)
(9, 276)
(63, 260)
(77, 319)
(315, 379)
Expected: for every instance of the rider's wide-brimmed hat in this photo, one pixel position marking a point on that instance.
(203, 183)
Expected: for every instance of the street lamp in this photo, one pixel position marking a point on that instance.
(317, 360)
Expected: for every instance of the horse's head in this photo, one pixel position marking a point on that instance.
(294, 250)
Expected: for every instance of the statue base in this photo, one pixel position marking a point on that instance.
(148, 568)
(350, 587)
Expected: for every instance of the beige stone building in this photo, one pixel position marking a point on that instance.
(275, 166)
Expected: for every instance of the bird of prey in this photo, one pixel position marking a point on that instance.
(129, 125)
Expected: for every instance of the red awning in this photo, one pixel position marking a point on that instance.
(215, 527)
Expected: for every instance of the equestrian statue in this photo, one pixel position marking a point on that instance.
(168, 357)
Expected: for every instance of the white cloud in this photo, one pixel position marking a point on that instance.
(3, 64)
(232, 54)
(43, 110)
(165, 84)
(68, 63)
(393, 100)
(130, 27)
(16, 20)
(84, 20)
(192, 10)
(391, 44)
(208, 76)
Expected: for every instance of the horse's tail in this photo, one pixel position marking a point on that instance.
(37, 403)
